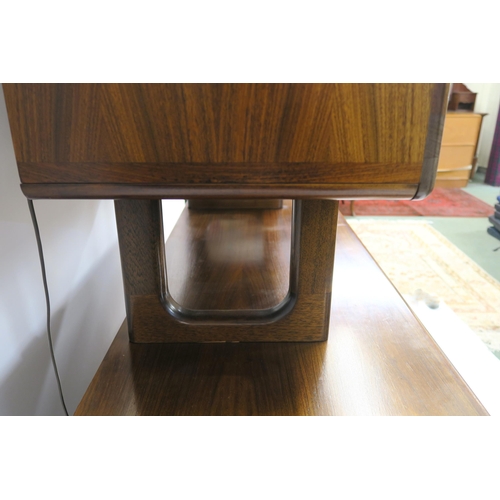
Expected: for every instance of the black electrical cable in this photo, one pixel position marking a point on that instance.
(47, 300)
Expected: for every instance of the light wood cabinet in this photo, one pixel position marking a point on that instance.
(457, 160)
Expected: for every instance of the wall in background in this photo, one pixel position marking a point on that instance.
(487, 101)
(83, 267)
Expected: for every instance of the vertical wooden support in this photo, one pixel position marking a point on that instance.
(140, 238)
(154, 317)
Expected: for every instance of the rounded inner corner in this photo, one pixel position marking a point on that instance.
(231, 264)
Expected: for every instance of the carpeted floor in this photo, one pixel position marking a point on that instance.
(440, 203)
(423, 263)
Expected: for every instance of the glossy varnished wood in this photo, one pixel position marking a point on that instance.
(216, 192)
(309, 139)
(379, 360)
(154, 316)
(230, 259)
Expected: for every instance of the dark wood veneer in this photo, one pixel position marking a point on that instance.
(379, 360)
(306, 137)
(138, 143)
(236, 259)
(153, 316)
(132, 191)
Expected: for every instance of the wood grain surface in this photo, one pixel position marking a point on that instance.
(231, 259)
(269, 307)
(217, 136)
(379, 360)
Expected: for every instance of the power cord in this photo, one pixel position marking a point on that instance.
(47, 300)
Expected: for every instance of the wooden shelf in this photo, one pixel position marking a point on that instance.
(379, 360)
(230, 259)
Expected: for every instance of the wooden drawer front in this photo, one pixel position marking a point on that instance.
(453, 157)
(454, 174)
(461, 129)
(225, 140)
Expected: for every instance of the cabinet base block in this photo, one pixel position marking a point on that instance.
(301, 315)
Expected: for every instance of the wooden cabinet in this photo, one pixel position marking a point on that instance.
(140, 143)
(232, 141)
(457, 160)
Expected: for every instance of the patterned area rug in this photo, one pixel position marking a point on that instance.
(440, 203)
(423, 263)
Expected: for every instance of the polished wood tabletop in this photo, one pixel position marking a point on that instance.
(378, 360)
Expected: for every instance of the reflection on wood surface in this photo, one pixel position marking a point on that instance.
(224, 259)
(379, 360)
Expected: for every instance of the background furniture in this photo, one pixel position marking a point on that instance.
(457, 159)
(461, 98)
